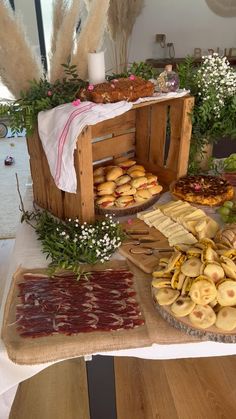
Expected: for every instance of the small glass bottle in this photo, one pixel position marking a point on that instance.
(168, 80)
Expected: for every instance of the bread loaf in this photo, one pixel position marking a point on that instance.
(117, 90)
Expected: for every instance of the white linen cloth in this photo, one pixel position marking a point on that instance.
(60, 127)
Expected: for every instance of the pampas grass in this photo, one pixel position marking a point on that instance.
(18, 62)
(122, 15)
(63, 36)
(91, 35)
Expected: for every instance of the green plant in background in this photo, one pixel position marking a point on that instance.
(213, 84)
(139, 69)
(42, 95)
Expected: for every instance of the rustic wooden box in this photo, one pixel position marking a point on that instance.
(140, 132)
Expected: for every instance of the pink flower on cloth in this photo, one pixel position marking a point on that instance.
(90, 87)
(76, 102)
(131, 77)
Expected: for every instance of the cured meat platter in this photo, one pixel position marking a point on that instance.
(43, 313)
(143, 260)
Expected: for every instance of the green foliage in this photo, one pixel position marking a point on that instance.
(42, 95)
(211, 120)
(140, 69)
(69, 243)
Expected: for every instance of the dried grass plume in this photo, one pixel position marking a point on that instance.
(122, 15)
(18, 62)
(91, 35)
(65, 22)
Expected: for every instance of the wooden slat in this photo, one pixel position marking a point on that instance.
(115, 125)
(81, 204)
(176, 113)
(165, 175)
(185, 137)
(57, 392)
(158, 133)
(113, 146)
(142, 133)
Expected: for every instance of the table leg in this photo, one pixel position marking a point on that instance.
(101, 387)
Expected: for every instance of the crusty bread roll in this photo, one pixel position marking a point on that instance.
(142, 195)
(137, 173)
(99, 171)
(155, 189)
(122, 180)
(114, 173)
(126, 164)
(98, 179)
(106, 188)
(124, 201)
(139, 182)
(126, 189)
(151, 179)
(106, 201)
(135, 167)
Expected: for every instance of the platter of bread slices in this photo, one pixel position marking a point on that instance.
(124, 188)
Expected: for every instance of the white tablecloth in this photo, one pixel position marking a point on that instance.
(27, 253)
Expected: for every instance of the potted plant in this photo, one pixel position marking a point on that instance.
(213, 84)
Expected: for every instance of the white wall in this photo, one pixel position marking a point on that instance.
(186, 23)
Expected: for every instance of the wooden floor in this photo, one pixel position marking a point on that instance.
(203, 388)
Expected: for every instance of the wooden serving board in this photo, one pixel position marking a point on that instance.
(146, 263)
(132, 209)
(183, 323)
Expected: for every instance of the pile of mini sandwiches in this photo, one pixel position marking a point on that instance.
(124, 185)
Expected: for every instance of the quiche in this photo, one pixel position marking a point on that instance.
(203, 189)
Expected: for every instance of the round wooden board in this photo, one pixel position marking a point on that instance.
(120, 212)
(184, 324)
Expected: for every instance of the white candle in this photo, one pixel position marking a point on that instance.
(96, 67)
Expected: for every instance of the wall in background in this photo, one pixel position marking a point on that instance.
(186, 23)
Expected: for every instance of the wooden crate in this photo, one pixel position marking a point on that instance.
(140, 132)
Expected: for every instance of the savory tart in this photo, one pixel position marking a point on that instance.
(203, 189)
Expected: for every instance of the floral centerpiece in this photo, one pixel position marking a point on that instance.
(213, 84)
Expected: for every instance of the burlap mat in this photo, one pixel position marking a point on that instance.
(52, 348)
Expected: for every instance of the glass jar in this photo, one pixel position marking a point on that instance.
(168, 80)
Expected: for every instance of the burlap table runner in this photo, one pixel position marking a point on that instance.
(52, 348)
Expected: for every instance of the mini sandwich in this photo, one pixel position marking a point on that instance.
(106, 201)
(122, 180)
(136, 167)
(106, 188)
(126, 164)
(155, 189)
(137, 173)
(98, 179)
(99, 171)
(114, 173)
(139, 182)
(126, 189)
(142, 195)
(151, 180)
(124, 201)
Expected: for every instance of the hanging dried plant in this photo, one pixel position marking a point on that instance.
(91, 35)
(122, 15)
(64, 35)
(59, 8)
(18, 62)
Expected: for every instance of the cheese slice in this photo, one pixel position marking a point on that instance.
(195, 213)
(155, 223)
(171, 212)
(165, 224)
(150, 221)
(147, 214)
(171, 230)
(183, 239)
(171, 204)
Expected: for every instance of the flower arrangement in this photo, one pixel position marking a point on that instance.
(213, 84)
(69, 243)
